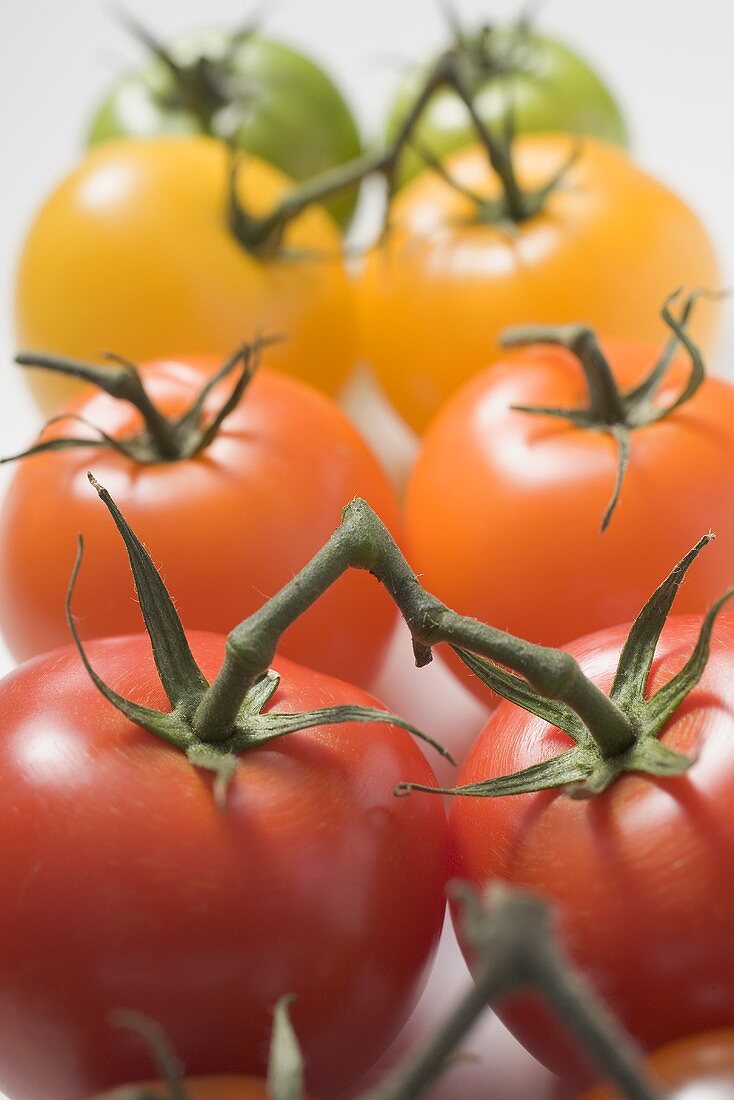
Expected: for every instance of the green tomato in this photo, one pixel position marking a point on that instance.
(268, 99)
(543, 86)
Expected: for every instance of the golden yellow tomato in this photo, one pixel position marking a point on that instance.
(609, 246)
(133, 252)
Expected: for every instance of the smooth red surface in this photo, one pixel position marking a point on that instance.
(227, 529)
(124, 886)
(643, 875)
(504, 509)
(700, 1068)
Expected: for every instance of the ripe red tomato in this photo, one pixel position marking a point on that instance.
(699, 1068)
(504, 508)
(642, 874)
(127, 887)
(229, 526)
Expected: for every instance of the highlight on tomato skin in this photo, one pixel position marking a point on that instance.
(503, 509)
(156, 899)
(697, 1068)
(229, 525)
(436, 293)
(636, 872)
(132, 251)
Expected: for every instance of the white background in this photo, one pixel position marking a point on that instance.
(670, 63)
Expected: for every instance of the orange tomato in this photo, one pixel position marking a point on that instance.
(132, 251)
(611, 243)
(504, 508)
(229, 527)
(699, 1068)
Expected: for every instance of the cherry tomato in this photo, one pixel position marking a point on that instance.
(642, 874)
(133, 252)
(699, 1068)
(128, 887)
(229, 526)
(611, 243)
(504, 508)
(550, 87)
(276, 103)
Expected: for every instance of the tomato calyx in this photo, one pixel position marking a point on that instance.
(285, 1074)
(167, 1065)
(162, 438)
(205, 86)
(211, 724)
(600, 756)
(610, 409)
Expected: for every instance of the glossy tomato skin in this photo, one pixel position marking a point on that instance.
(296, 117)
(228, 528)
(503, 510)
(128, 888)
(642, 875)
(610, 246)
(553, 89)
(698, 1068)
(132, 252)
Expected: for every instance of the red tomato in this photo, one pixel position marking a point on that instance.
(700, 1068)
(230, 526)
(504, 508)
(643, 874)
(126, 887)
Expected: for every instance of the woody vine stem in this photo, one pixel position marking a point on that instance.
(363, 542)
(264, 235)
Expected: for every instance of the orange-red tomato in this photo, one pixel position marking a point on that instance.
(504, 508)
(133, 252)
(611, 243)
(699, 1068)
(228, 527)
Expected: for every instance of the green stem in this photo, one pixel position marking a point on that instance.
(264, 235)
(363, 542)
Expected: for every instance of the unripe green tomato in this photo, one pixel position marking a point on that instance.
(547, 85)
(272, 101)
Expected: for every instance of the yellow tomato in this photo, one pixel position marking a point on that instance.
(609, 246)
(133, 253)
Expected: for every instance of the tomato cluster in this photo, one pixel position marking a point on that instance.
(247, 857)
